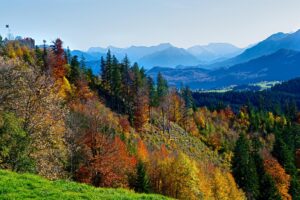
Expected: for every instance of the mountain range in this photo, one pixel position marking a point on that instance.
(281, 65)
(276, 58)
(164, 55)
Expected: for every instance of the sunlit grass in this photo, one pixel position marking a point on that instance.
(28, 186)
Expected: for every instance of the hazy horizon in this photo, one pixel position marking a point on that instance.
(98, 23)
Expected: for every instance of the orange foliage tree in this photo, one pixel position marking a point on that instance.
(142, 151)
(277, 172)
(107, 163)
(141, 112)
(58, 59)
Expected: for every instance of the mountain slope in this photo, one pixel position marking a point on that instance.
(279, 66)
(170, 57)
(214, 51)
(27, 186)
(86, 55)
(177, 77)
(268, 46)
(282, 65)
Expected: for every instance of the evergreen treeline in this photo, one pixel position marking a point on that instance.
(277, 99)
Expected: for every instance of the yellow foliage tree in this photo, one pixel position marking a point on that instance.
(33, 97)
(183, 179)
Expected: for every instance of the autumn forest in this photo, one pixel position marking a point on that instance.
(123, 129)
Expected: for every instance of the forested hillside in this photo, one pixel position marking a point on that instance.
(123, 129)
(279, 99)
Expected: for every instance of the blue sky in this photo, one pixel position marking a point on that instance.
(85, 23)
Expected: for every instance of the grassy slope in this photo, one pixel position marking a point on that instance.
(28, 186)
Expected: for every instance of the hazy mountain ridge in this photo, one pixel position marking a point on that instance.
(165, 54)
(214, 51)
(268, 46)
(134, 52)
(170, 57)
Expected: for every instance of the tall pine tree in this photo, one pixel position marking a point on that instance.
(142, 181)
(244, 169)
(286, 158)
(268, 189)
(162, 88)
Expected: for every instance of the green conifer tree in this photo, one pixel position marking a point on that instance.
(244, 169)
(142, 181)
(74, 74)
(162, 87)
(268, 189)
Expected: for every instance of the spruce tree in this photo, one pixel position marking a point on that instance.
(127, 91)
(115, 81)
(152, 93)
(74, 74)
(106, 71)
(142, 181)
(285, 157)
(268, 189)
(143, 73)
(291, 109)
(126, 80)
(162, 87)
(82, 63)
(162, 92)
(295, 187)
(187, 97)
(103, 68)
(109, 63)
(138, 81)
(68, 55)
(244, 169)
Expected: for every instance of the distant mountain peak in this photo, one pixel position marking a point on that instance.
(112, 47)
(277, 36)
(214, 51)
(96, 49)
(169, 57)
(165, 44)
(221, 44)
